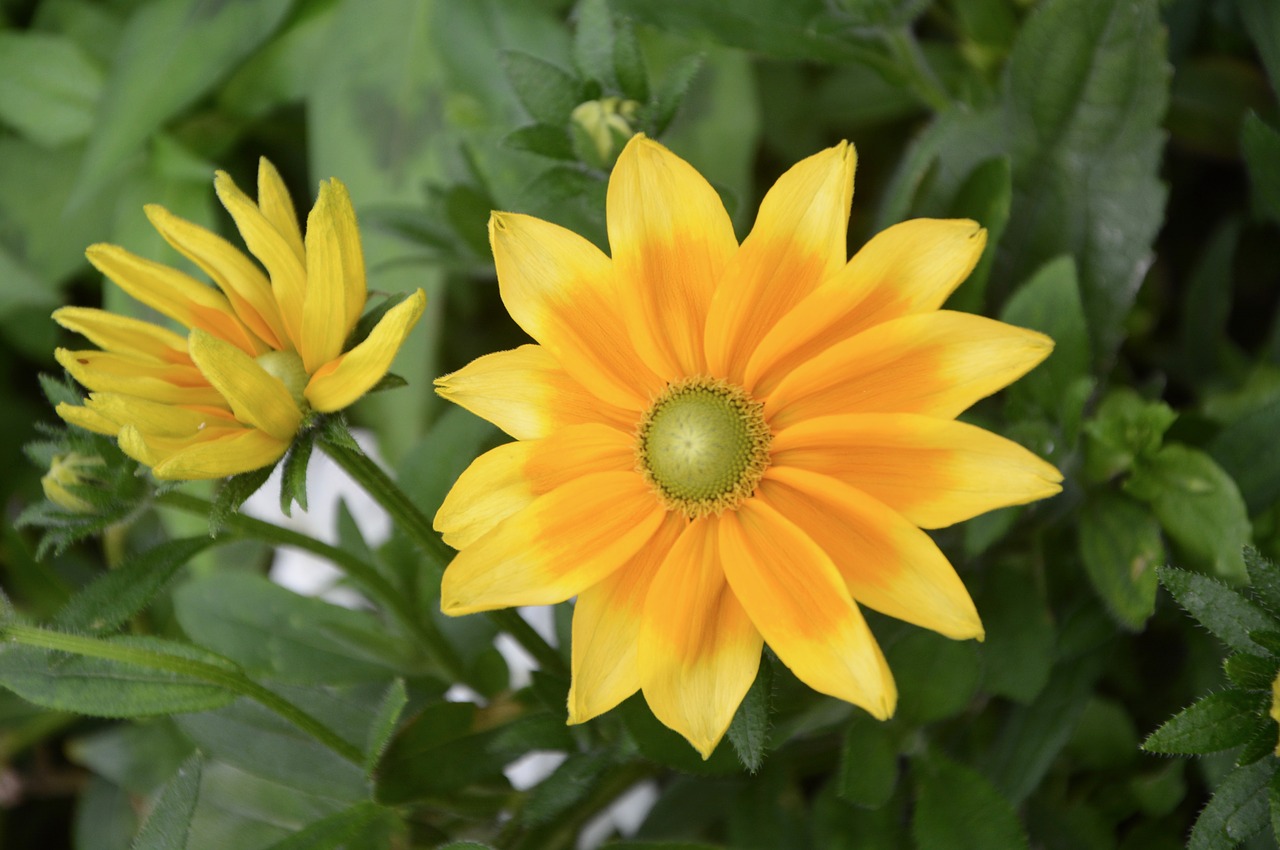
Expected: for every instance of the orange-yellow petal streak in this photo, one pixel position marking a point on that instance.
(798, 600)
(670, 239)
(887, 563)
(564, 542)
(324, 308)
(935, 472)
(936, 364)
(698, 649)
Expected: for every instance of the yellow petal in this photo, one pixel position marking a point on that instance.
(561, 290)
(698, 649)
(273, 250)
(324, 308)
(124, 335)
(90, 420)
(526, 393)
(887, 563)
(245, 286)
(798, 600)
(606, 629)
(340, 382)
(343, 221)
(243, 450)
(799, 240)
(103, 371)
(157, 419)
(670, 238)
(178, 296)
(154, 449)
(257, 397)
(910, 268)
(564, 542)
(936, 364)
(277, 206)
(935, 472)
(507, 479)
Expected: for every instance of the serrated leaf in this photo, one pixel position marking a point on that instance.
(1239, 809)
(1120, 546)
(233, 493)
(1219, 609)
(1216, 722)
(957, 809)
(1264, 579)
(868, 764)
(749, 729)
(548, 92)
(197, 42)
(293, 472)
(1198, 505)
(168, 826)
(116, 596)
(1251, 672)
(628, 62)
(1261, 744)
(384, 724)
(670, 93)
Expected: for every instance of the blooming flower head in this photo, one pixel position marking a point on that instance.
(724, 445)
(263, 350)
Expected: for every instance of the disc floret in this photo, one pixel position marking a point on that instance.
(703, 445)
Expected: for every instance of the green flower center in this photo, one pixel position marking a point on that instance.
(287, 366)
(703, 445)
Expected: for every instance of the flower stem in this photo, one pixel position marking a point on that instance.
(374, 584)
(411, 521)
(227, 678)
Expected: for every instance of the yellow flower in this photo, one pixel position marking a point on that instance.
(66, 471)
(263, 350)
(721, 445)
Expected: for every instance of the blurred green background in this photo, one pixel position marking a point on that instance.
(1125, 159)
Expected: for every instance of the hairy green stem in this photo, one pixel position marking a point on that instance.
(373, 583)
(412, 522)
(223, 677)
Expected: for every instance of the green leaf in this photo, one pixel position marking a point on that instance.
(548, 92)
(139, 757)
(1261, 743)
(274, 632)
(1219, 609)
(232, 494)
(628, 62)
(671, 91)
(593, 41)
(1120, 546)
(1198, 506)
(1216, 722)
(1250, 672)
(957, 809)
(1248, 451)
(1087, 87)
(749, 729)
(197, 43)
(1238, 810)
(100, 688)
(168, 827)
(575, 778)
(249, 737)
(1050, 303)
(441, 751)
(48, 87)
(985, 197)
(364, 826)
(293, 474)
(118, 595)
(384, 724)
(868, 764)
(660, 744)
(542, 139)
(1017, 654)
(936, 676)
(1264, 579)
(1124, 427)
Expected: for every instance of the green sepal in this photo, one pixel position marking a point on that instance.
(293, 472)
(233, 493)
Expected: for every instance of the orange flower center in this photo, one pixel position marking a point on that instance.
(703, 445)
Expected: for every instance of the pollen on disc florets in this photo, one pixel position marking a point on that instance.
(703, 445)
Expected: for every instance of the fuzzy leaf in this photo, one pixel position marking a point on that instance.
(1219, 609)
(548, 92)
(749, 729)
(1238, 810)
(384, 725)
(168, 827)
(1216, 722)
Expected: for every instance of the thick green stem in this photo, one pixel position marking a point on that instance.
(373, 583)
(412, 522)
(223, 677)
